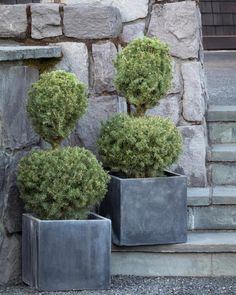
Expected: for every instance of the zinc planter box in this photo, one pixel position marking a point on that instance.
(60, 255)
(147, 211)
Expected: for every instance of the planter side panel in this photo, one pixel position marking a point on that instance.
(74, 256)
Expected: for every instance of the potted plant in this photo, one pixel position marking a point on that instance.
(64, 246)
(146, 204)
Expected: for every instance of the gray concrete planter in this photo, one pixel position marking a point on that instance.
(60, 255)
(147, 211)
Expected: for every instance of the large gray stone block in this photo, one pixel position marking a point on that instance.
(16, 131)
(192, 162)
(75, 59)
(193, 99)
(87, 21)
(222, 132)
(133, 31)
(10, 259)
(13, 20)
(100, 109)
(178, 24)
(103, 67)
(46, 21)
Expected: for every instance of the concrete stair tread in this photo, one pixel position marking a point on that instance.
(222, 113)
(198, 242)
(223, 195)
(17, 52)
(225, 152)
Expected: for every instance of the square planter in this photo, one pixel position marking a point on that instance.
(60, 255)
(147, 211)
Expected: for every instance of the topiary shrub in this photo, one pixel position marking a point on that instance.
(139, 146)
(144, 73)
(61, 183)
(55, 104)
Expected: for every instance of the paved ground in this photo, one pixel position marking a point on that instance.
(148, 286)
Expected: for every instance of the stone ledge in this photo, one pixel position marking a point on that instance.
(198, 196)
(224, 195)
(219, 113)
(10, 53)
(223, 152)
(198, 242)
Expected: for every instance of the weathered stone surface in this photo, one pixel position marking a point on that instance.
(9, 53)
(192, 161)
(177, 81)
(46, 21)
(13, 21)
(198, 196)
(224, 174)
(15, 129)
(100, 109)
(128, 10)
(222, 132)
(219, 113)
(75, 60)
(193, 99)
(168, 107)
(103, 56)
(10, 258)
(133, 31)
(87, 21)
(4, 166)
(178, 24)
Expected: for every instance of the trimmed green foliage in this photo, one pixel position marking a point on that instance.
(144, 73)
(61, 183)
(139, 146)
(55, 104)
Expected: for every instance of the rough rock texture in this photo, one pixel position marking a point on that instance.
(133, 31)
(104, 71)
(10, 258)
(178, 24)
(193, 160)
(100, 109)
(13, 21)
(168, 107)
(15, 130)
(75, 60)
(88, 21)
(193, 99)
(128, 10)
(46, 21)
(177, 81)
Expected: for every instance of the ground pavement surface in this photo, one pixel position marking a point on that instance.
(147, 286)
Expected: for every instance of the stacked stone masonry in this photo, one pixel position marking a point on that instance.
(90, 36)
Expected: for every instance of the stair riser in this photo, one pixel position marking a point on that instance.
(212, 218)
(222, 132)
(173, 264)
(224, 174)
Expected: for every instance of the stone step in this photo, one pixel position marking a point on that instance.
(221, 113)
(212, 208)
(223, 173)
(222, 132)
(220, 68)
(223, 153)
(17, 52)
(205, 254)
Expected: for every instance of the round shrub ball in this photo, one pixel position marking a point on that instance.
(139, 146)
(144, 72)
(56, 102)
(61, 183)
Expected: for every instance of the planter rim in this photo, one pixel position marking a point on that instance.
(97, 219)
(173, 174)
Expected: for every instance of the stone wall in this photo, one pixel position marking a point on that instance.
(90, 37)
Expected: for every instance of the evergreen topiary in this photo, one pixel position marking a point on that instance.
(139, 146)
(55, 104)
(144, 73)
(61, 183)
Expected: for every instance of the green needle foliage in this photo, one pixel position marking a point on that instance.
(55, 104)
(61, 183)
(139, 146)
(144, 73)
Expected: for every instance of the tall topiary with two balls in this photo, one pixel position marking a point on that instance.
(147, 204)
(139, 145)
(59, 183)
